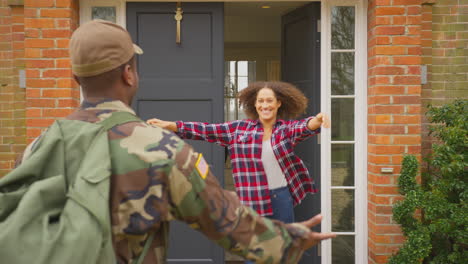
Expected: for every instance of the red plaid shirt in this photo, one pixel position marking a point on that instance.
(244, 141)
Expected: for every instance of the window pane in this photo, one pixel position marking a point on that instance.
(342, 35)
(243, 68)
(343, 250)
(242, 82)
(342, 210)
(104, 13)
(342, 73)
(342, 118)
(342, 164)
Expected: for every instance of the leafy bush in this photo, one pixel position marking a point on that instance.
(434, 214)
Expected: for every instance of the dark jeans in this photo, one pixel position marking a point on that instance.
(283, 207)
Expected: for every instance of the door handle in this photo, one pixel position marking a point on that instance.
(178, 17)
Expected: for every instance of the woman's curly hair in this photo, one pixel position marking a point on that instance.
(293, 101)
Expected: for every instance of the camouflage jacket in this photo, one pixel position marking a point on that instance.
(156, 178)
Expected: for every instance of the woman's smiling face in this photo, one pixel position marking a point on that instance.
(267, 105)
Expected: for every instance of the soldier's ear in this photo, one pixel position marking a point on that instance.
(128, 75)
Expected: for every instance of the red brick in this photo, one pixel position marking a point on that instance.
(39, 63)
(31, 33)
(407, 80)
(63, 63)
(31, 73)
(406, 40)
(382, 40)
(407, 99)
(379, 160)
(40, 103)
(399, 20)
(406, 2)
(406, 119)
(414, 109)
(39, 22)
(388, 109)
(414, 51)
(414, 129)
(385, 150)
(414, 30)
(33, 132)
(63, 43)
(413, 10)
(33, 112)
(378, 99)
(407, 60)
(63, 23)
(390, 30)
(388, 70)
(63, 3)
(416, 70)
(58, 13)
(406, 140)
(39, 3)
(385, 11)
(383, 119)
(57, 73)
(39, 122)
(383, 20)
(390, 50)
(375, 139)
(40, 83)
(33, 93)
(56, 33)
(39, 43)
(413, 20)
(414, 150)
(56, 93)
(66, 83)
(386, 129)
(32, 53)
(57, 112)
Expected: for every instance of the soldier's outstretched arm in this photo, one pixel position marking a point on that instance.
(199, 200)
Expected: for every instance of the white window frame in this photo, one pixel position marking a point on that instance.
(120, 10)
(360, 150)
(360, 127)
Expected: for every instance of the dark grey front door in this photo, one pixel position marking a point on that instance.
(300, 59)
(182, 82)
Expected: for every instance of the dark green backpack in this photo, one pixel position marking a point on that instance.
(54, 208)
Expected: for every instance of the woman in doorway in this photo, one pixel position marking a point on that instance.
(267, 174)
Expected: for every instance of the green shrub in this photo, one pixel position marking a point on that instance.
(434, 214)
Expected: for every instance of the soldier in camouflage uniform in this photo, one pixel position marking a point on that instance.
(156, 177)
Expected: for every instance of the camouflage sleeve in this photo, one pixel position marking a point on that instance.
(199, 200)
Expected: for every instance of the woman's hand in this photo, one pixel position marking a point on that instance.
(323, 119)
(169, 125)
(319, 120)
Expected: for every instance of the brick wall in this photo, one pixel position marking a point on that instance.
(51, 92)
(394, 112)
(12, 97)
(445, 24)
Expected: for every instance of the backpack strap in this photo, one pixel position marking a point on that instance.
(118, 118)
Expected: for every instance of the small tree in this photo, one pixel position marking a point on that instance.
(434, 214)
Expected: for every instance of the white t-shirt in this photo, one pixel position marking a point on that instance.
(275, 175)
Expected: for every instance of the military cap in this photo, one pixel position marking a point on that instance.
(99, 46)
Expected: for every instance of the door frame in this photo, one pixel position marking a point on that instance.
(361, 190)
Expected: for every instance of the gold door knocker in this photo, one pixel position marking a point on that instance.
(178, 17)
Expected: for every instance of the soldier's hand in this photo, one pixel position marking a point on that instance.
(163, 124)
(315, 237)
